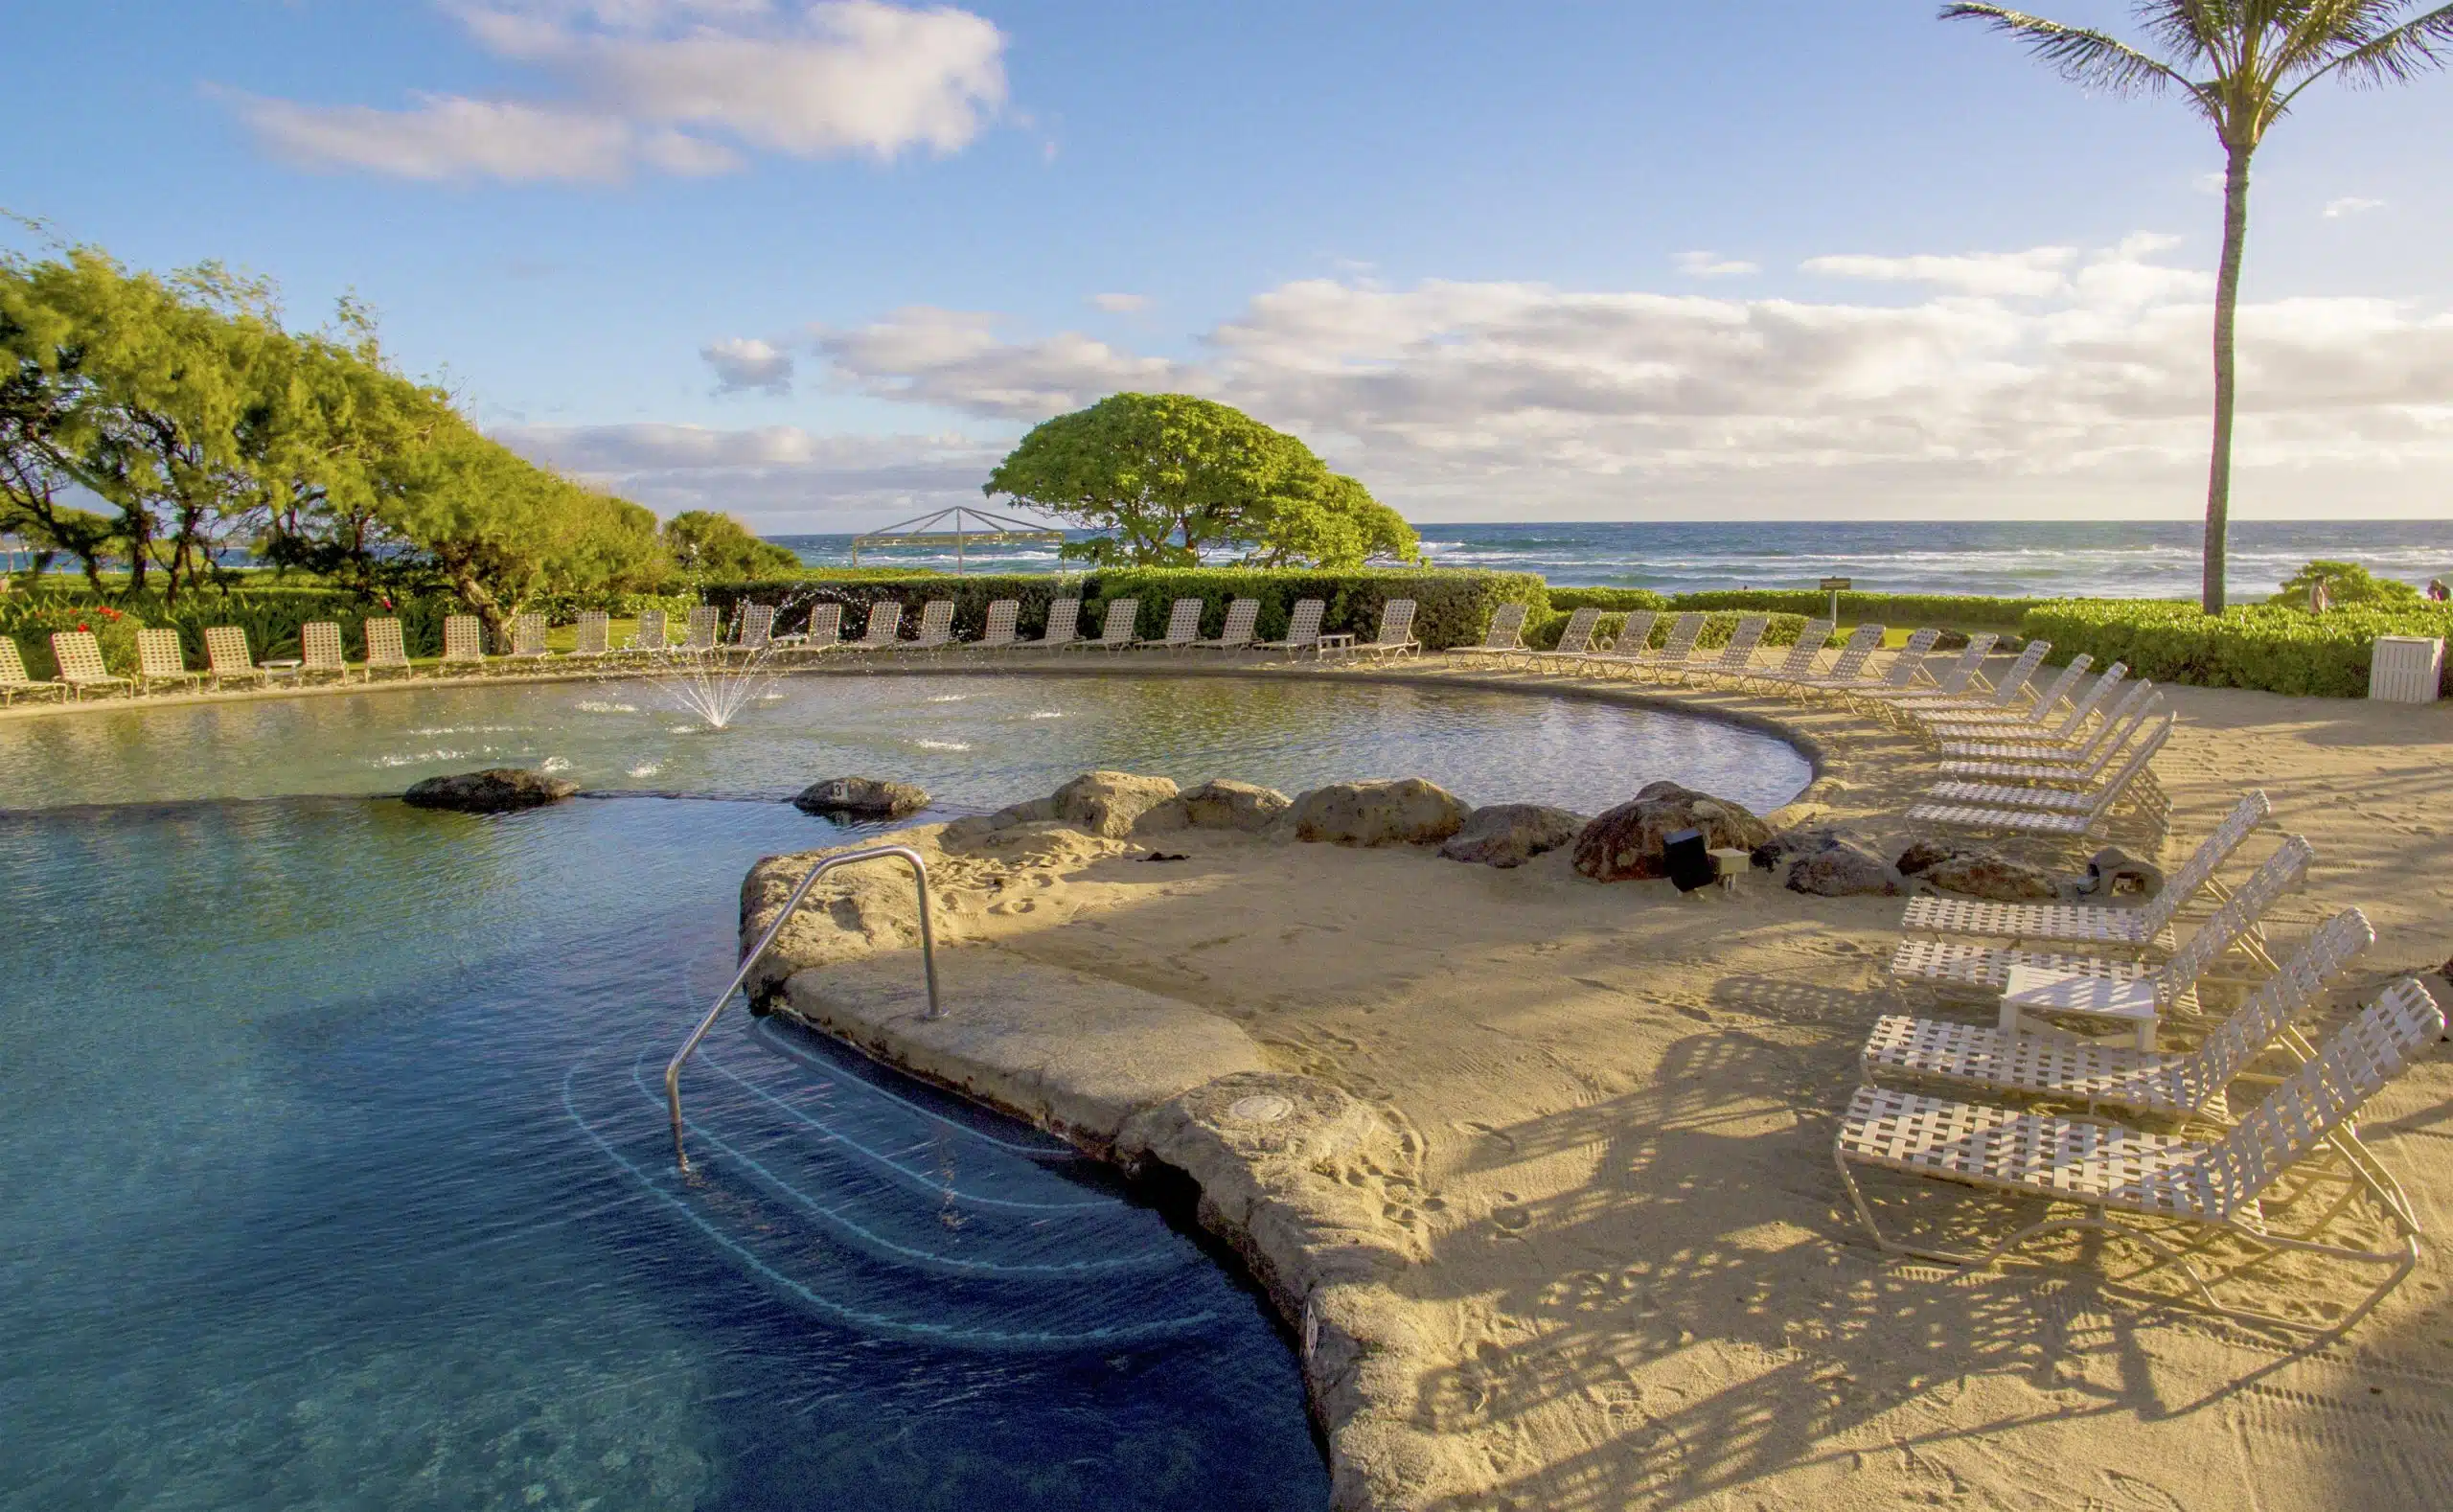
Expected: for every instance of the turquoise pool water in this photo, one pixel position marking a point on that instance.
(338, 1177)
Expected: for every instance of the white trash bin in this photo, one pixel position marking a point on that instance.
(2406, 669)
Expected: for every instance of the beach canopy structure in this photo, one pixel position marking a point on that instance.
(960, 527)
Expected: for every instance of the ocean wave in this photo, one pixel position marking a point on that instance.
(942, 746)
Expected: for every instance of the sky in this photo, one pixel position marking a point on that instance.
(820, 265)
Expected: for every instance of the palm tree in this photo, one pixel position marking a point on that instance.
(2257, 56)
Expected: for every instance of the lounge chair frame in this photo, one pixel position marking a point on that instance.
(80, 658)
(17, 682)
(227, 658)
(162, 657)
(1242, 622)
(1302, 629)
(1183, 627)
(386, 651)
(1116, 631)
(320, 653)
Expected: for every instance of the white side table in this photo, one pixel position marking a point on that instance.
(1731, 863)
(2031, 987)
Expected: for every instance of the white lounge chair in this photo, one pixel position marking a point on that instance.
(999, 634)
(1911, 681)
(319, 651)
(592, 637)
(1907, 666)
(2075, 792)
(650, 638)
(2053, 752)
(162, 657)
(1302, 629)
(2144, 1186)
(1503, 639)
(1803, 654)
(2104, 1073)
(2005, 697)
(884, 629)
(1242, 618)
(386, 650)
(528, 641)
(936, 628)
(821, 634)
(2148, 926)
(1683, 632)
(757, 629)
(1738, 656)
(2016, 727)
(1183, 626)
(1115, 632)
(1633, 643)
(705, 619)
(1971, 967)
(463, 643)
(227, 660)
(2030, 820)
(1063, 629)
(1575, 641)
(79, 656)
(1396, 637)
(1847, 669)
(2082, 765)
(14, 681)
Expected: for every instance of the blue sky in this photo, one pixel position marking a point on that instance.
(820, 265)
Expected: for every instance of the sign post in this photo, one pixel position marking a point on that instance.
(1836, 586)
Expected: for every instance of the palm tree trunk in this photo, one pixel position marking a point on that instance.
(2227, 300)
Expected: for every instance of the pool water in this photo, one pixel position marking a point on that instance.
(339, 1170)
(976, 742)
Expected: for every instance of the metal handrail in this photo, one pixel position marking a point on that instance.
(928, 961)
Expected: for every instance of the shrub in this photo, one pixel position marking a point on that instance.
(2248, 646)
(1888, 609)
(2349, 584)
(1622, 600)
(34, 623)
(1452, 607)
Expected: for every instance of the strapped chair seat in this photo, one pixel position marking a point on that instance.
(1942, 699)
(14, 680)
(998, 632)
(1303, 628)
(386, 650)
(226, 656)
(1504, 638)
(1183, 626)
(824, 632)
(1847, 670)
(464, 641)
(1063, 629)
(528, 640)
(1575, 638)
(592, 638)
(2030, 819)
(884, 628)
(1115, 631)
(1241, 617)
(79, 656)
(936, 629)
(1803, 653)
(1396, 637)
(1737, 657)
(319, 651)
(162, 657)
(2141, 1185)
(1907, 665)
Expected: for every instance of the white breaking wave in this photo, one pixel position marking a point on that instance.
(944, 746)
(555, 763)
(646, 770)
(1048, 714)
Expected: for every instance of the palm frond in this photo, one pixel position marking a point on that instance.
(2082, 55)
(2201, 29)
(2314, 34)
(2419, 45)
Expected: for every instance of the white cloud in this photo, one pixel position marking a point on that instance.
(671, 85)
(2034, 274)
(2350, 205)
(777, 477)
(1120, 304)
(1712, 265)
(747, 364)
(2045, 374)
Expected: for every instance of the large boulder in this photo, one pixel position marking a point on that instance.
(1798, 840)
(496, 790)
(1845, 869)
(1512, 834)
(1923, 853)
(860, 798)
(1107, 803)
(1979, 873)
(1625, 843)
(1406, 810)
(1223, 803)
(2113, 870)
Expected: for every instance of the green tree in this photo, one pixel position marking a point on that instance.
(721, 547)
(2253, 59)
(2347, 583)
(1168, 477)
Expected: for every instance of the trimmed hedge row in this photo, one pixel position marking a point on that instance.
(1451, 609)
(271, 620)
(1620, 600)
(2262, 646)
(1889, 608)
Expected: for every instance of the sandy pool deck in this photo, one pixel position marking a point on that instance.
(1600, 1255)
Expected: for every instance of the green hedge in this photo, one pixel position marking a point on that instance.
(1896, 609)
(1622, 600)
(271, 617)
(2249, 646)
(1452, 607)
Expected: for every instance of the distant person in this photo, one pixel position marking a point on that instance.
(2437, 592)
(2320, 597)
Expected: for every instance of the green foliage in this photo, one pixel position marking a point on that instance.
(1622, 600)
(2347, 583)
(2273, 647)
(1451, 609)
(31, 621)
(702, 543)
(1167, 478)
(1886, 608)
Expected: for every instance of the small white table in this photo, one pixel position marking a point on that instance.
(280, 666)
(2034, 988)
(1326, 644)
(1730, 863)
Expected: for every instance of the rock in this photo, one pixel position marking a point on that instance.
(1846, 870)
(1406, 810)
(1800, 840)
(1512, 834)
(1223, 803)
(492, 792)
(1625, 843)
(1108, 802)
(862, 798)
(1990, 874)
(1921, 854)
(2111, 866)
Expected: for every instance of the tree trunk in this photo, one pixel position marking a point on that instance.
(2227, 300)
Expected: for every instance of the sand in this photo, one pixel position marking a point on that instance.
(1594, 1252)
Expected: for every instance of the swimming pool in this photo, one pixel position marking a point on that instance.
(341, 1177)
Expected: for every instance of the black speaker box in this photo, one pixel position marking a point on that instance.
(1687, 859)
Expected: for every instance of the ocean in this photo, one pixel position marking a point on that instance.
(2092, 558)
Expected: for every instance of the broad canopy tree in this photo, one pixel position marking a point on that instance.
(2239, 64)
(1169, 478)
